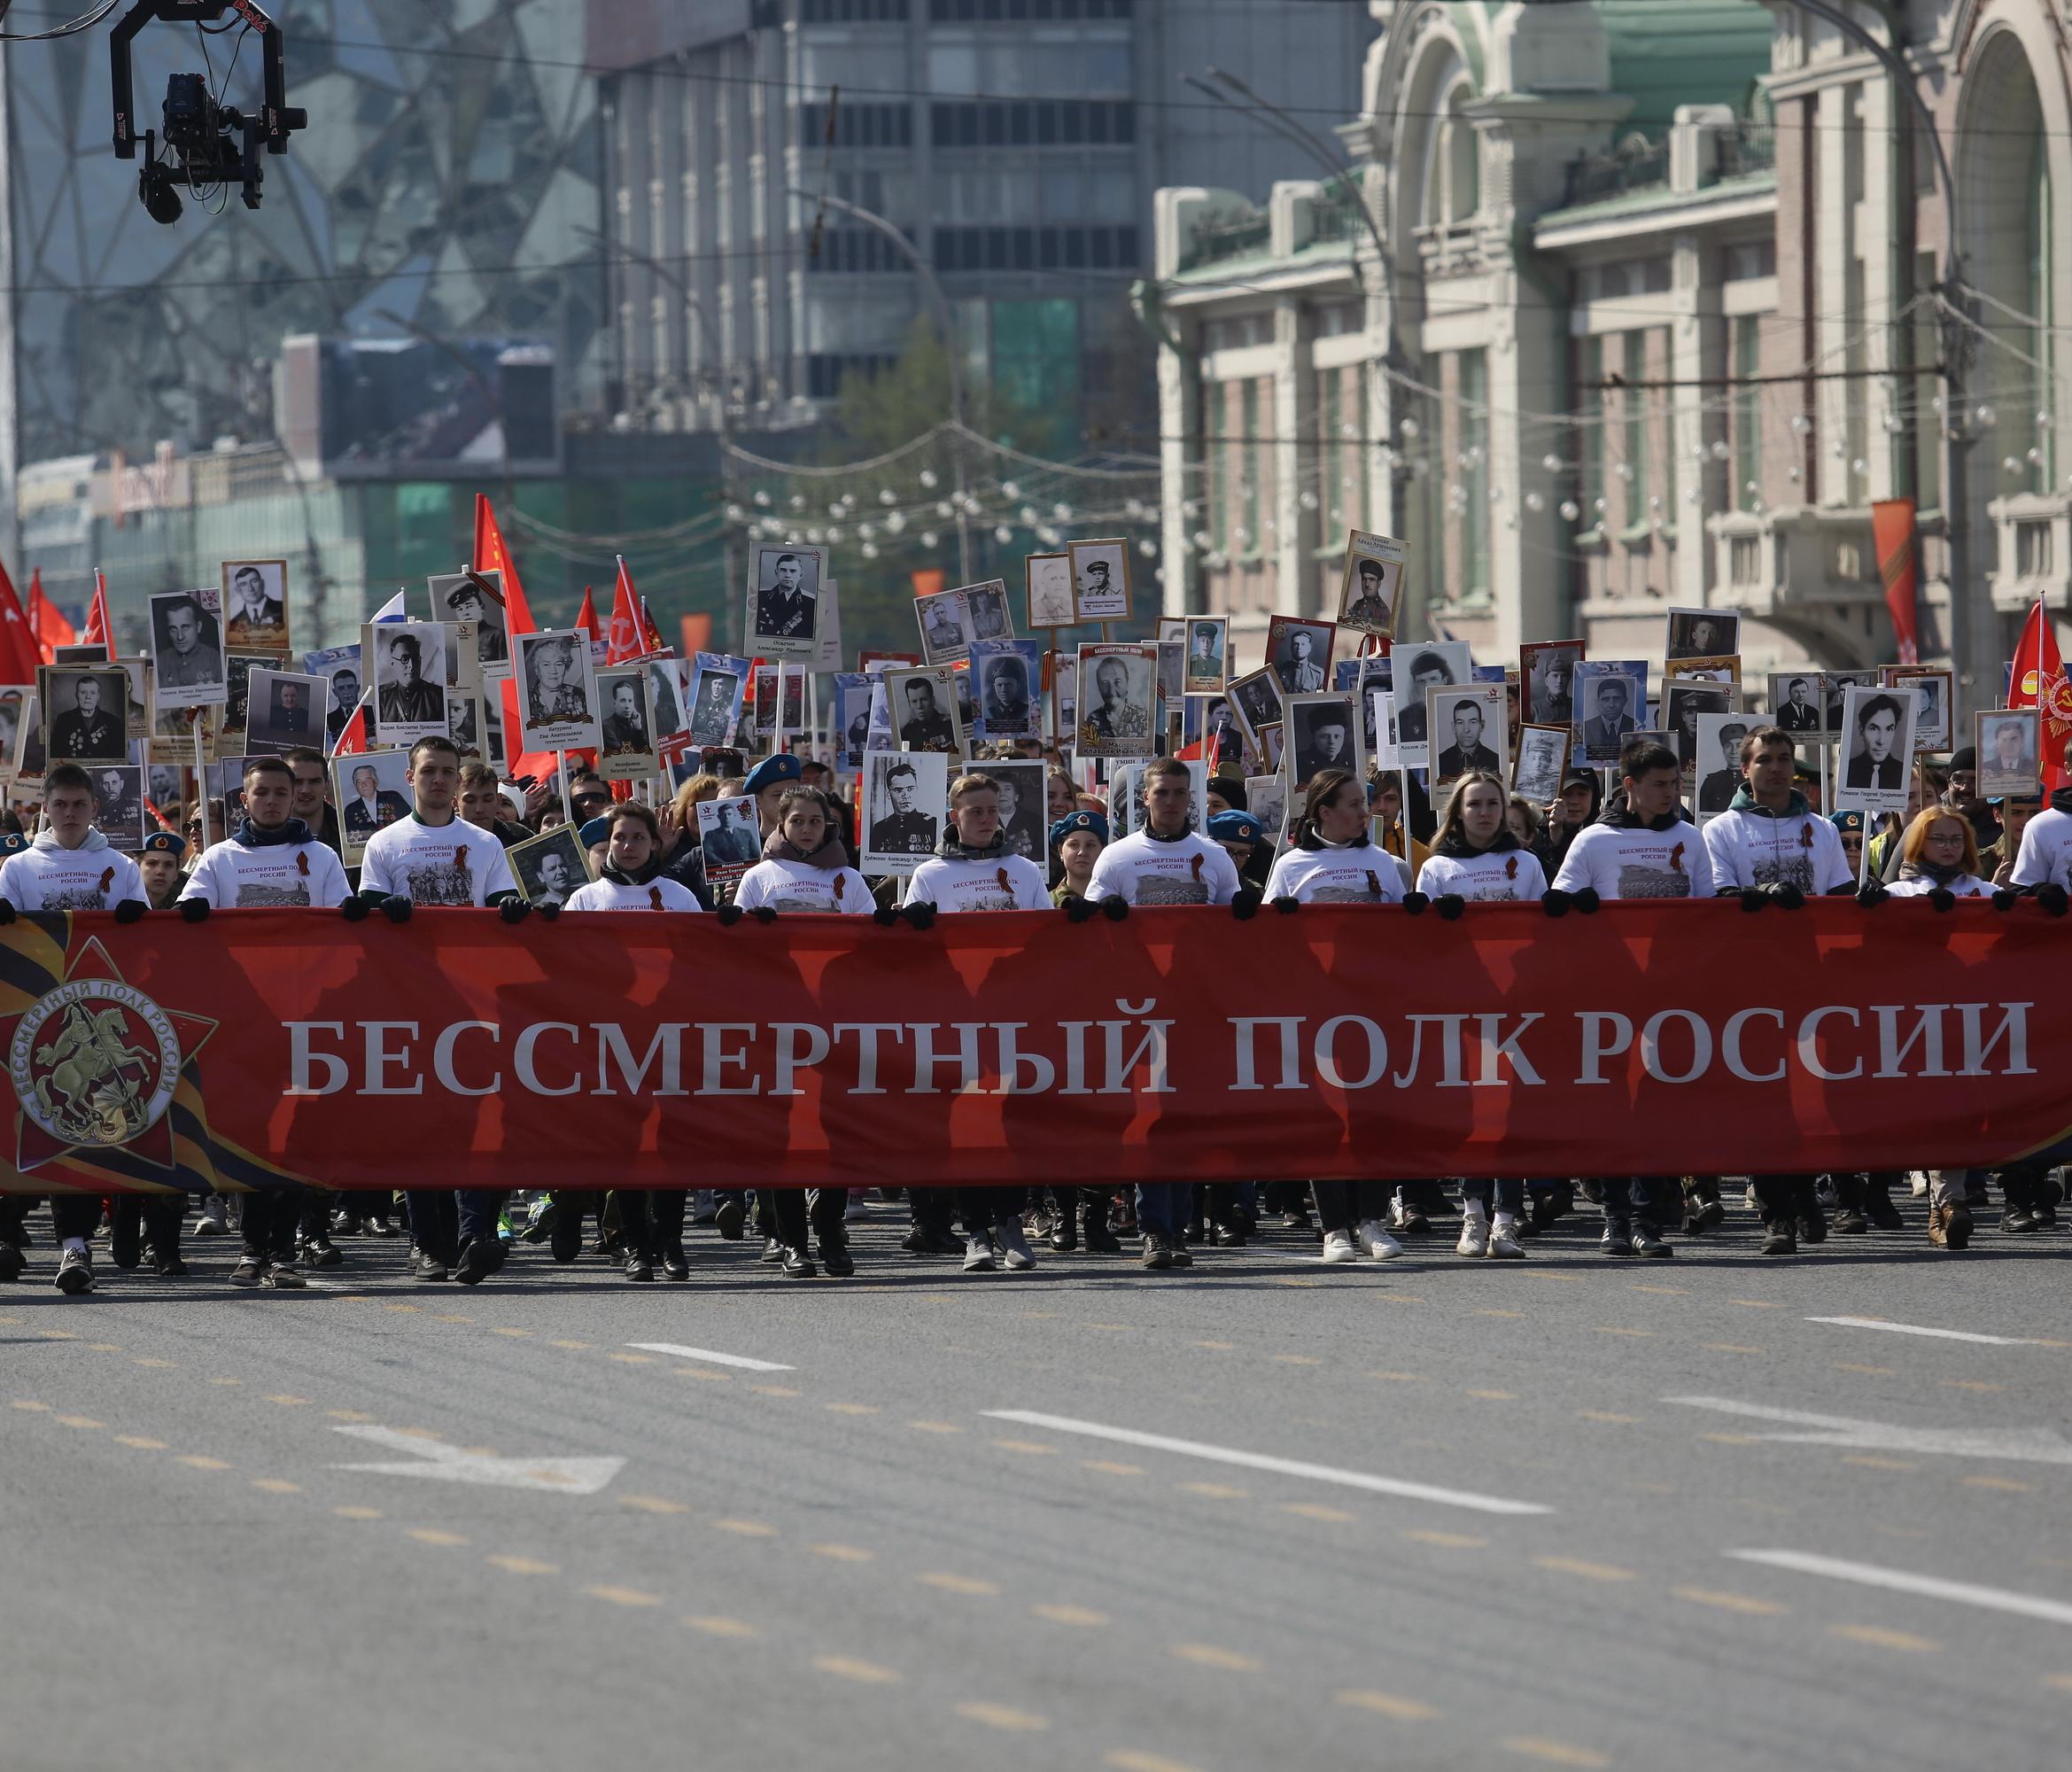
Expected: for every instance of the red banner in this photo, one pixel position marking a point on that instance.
(1892, 533)
(617, 1051)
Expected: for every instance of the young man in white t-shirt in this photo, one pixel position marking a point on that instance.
(1641, 848)
(70, 867)
(271, 860)
(436, 858)
(1165, 863)
(972, 869)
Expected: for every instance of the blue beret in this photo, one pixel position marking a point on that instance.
(1079, 821)
(774, 770)
(1847, 823)
(12, 843)
(597, 831)
(1235, 827)
(165, 843)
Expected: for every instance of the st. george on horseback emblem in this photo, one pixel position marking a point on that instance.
(94, 1065)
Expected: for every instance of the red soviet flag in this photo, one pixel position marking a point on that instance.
(491, 556)
(625, 640)
(99, 630)
(46, 623)
(2038, 681)
(18, 658)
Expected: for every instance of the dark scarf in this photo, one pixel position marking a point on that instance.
(1308, 838)
(830, 855)
(1940, 875)
(1180, 835)
(953, 847)
(648, 870)
(250, 837)
(1457, 847)
(2061, 800)
(1618, 816)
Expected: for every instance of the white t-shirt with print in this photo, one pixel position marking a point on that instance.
(1142, 870)
(1970, 886)
(1009, 883)
(1493, 876)
(1748, 849)
(456, 863)
(1620, 861)
(48, 877)
(659, 894)
(792, 886)
(2046, 850)
(1365, 876)
(268, 876)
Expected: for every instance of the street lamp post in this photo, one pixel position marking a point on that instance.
(944, 324)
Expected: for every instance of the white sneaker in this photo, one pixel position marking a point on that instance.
(1503, 1239)
(1337, 1246)
(1474, 1235)
(978, 1255)
(1013, 1242)
(1379, 1245)
(1917, 1184)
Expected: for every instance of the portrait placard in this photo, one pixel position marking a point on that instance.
(1542, 754)
(1700, 633)
(549, 868)
(468, 723)
(1299, 653)
(1118, 708)
(729, 837)
(412, 662)
(136, 696)
(188, 664)
(925, 711)
(1009, 675)
(1064, 700)
(768, 716)
(86, 712)
(944, 619)
(1718, 750)
(852, 720)
(1381, 714)
(94, 653)
(1435, 664)
(1836, 685)
(1877, 749)
(119, 813)
(255, 606)
(558, 691)
(784, 608)
(1255, 697)
(467, 595)
(1023, 829)
(1467, 732)
(1547, 681)
(1372, 582)
(903, 797)
(1714, 668)
(1611, 701)
(1266, 798)
(718, 681)
(667, 680)
(2010, 753)
(1932, 723)
(281, 711)
(1794, 702)
(1683, 705)
(627, 752)
(1324, 732)
(30, 756)
(13, 698)
(370, 790)
(987, 615)
(237, 698)
(1047, 584)
(1100, 579)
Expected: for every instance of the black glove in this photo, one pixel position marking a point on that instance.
(513, 910)
(1555, 902)
(765, 914)
(2003, 898)
(1786, 894)
(1245, 906)
(1287, 904)
(1415, 903)
(193, 910)
(728, 915)
(6, 912)
(1114, 907)
(353, 910)
(919, 916)
(1584, 899)
(1941, 898)
(1450, 905)
(546, 913)
(397, 907)
(2050, 895)
(129, 910)
(1871, 893)
(884, 915)
(1077, 910)
(1753, 898)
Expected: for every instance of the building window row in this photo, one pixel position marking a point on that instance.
(825, 370)
(856, 249)
(852, 11)
(858, 126)
(1034, 123)
(1013, 12)
(1033, 249)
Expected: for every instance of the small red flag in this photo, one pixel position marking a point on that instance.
(625, 640)
(99, 630)
(46, 622)
(586, 616)
(2038, 681)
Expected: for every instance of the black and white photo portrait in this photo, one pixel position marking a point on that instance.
(1205, 669)
(1835, 686)
(370, 790)
(339, 667)
(1049, 580)
(1118, 700)
(550, 866)
(283, 711)
(476, 597)
(557, 693)
(1324, 732)
(627, 753)
(729, 837)
(1877, 749)
(1547, 681)
(1795, 700)
(465, 721)
(903, 803)
(1374, 572)
(87, 717)
(1611, 702)
(30, 756)
(1100, 579)
(241, 664)
(1300, 652)
(1701, 634)
(187, 649)
(1683, 705)
(119, 804)
(11, 703)
(1065, 699)
(1543, 754)
(944, 620)
(1009, 675)
(2009, 753)
(409, 662)
(1221, 733)
(1932, 723)
(1023, 828)
(1717, 750)
(1257, 698)
(718, 682)
(1467, 731)
(791, 717)
(924, 705)
(1437, 665)
(255, 606)
(986, 613)
(852, 720)
(784, 603)
(665, 696)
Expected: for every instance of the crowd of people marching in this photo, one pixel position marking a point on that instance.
(1349, 841)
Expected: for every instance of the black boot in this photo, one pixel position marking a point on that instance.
(1093, 1225)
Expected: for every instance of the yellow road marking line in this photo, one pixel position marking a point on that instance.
(1398, 1377)
(773, 1390)
(2009, 1485)
(1310, 1510)
(1217, 1346)
(1109, 1467)
(1662, 1291)
(1215, 1491)
(625, 1597)
(1495, 1396)
(949, 1583)
(1970, 1384)
(160, 1365)
(1448, 1540)
(1035, 1449)
(633, 1359)
(574, 1347)
(714, 1625)
(1730, 1438)
(279, 1486)
(1607, 1415)
(1588, 1570)
(287, 1400)
(1879, 1637)
(1001, 1716)
(1865, 1461)
(522, 1566)
(844, 1553)
(864, 1672)
(1208, 1655)
(654, 1504)
(104, 1346)
(1552, 1752)
(1727, 1348)
(80, 1421)
(936, 1427)
(1130, 1760)
(431, 1535)
(1295, 1359)
(347, 1415)
(854, 1407)
(1081, 1617)
(201, 1462)
(226, 1383)
(516, 1335)
(1606, 1329)
(2059, 1682)
(1387, 1705)
(29, 1406)
(1745, 1603)
(357, 1512)
(142, 1442)
(1485, 1313)
(746, 1528)
(1869, 1371)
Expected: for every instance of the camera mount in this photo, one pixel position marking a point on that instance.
(204, 144)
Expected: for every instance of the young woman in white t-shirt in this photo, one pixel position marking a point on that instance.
(804, 869)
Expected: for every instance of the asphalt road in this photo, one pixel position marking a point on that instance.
(855, 1558)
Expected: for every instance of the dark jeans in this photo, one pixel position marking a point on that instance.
(443, 1220)
(1511, 1195)
(932, 1208)
(1784, 1199)
(157, 1216)
(653, 1223)
(271, 1221)
(1162, 1207)
(74, 1214)
(1638, 1199)
(792, 1209)
(983, 1208)
(1345, 1205)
